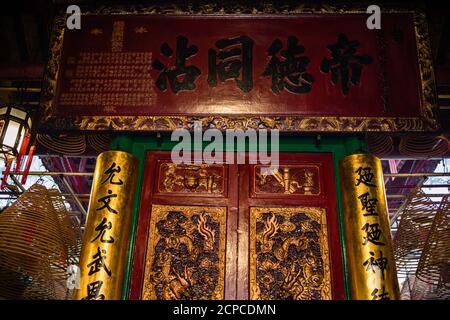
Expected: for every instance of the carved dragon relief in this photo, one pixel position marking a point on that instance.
(289, 254)
(185, 253)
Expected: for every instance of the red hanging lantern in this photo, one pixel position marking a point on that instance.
(17, 121)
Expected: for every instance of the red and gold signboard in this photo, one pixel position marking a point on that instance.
(312, 70)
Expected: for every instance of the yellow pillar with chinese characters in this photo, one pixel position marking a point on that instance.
(105, 239)
(372, 270)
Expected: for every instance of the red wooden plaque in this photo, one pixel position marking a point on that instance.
(301, 72)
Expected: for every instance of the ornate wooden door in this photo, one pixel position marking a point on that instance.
(216, 231)
(186, 240)
(288, 238)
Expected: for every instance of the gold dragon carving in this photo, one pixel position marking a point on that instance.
(185, 253)
(289, 254)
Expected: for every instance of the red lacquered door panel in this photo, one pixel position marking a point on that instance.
(288, 233)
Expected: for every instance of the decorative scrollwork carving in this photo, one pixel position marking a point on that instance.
(427, 78)
(289, 180)
(183, 178)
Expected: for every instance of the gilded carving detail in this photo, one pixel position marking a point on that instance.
(289, 254)
(427, 122)
(294, 179)
(184, 178)
(427, 78)
(185, 253)
(282, 123)
(117, 36)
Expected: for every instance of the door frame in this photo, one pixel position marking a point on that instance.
(339, 146)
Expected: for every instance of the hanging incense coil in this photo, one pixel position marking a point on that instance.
(414, 226)
(99, 142)
(423, 146)
(380, 145)
(416, 289)
(67, 145)
(38, 241)
(406, 290)
(434, 265)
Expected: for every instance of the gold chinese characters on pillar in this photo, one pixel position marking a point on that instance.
(371, 263)
(105, 241)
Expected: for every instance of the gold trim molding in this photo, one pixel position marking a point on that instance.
(426, 122)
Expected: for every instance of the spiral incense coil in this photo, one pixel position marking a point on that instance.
(99, 142)
(434, 264)
(38, 241)
(380, 145)
(423, 146)
(67, 145)
(414, 226)
(416, 289)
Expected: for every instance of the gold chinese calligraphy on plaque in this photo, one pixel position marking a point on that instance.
(105, 241)
(370, 257)
(185, 253)
(137, 71)
(289, 257)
